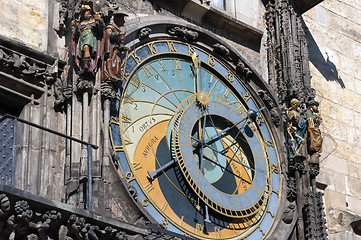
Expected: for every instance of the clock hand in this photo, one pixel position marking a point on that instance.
(161, 169)
(196, 64)
(251, 114)
(232, 159)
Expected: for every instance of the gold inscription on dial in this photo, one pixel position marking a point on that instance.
(171, 47)
(161, 65)
(147, 71)
(149, 146)
(136, 166)
(211, 60)
(145, 202)
(199, 228)
(218, 232)
(148, 187)
(129, 176)
(164, 206)
(152, 48)
(177, 64)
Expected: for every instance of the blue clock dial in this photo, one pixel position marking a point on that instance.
(182, 131)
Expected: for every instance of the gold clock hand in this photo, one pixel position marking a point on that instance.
(196, 63)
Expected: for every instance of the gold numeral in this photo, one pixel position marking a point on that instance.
(272, 215)
(230, 76)
(114, 120)
(136, 166)
(270, 143)
(126, 119)
(261, 230)
(145, 202)
(191, 49)
(246, 96)
(177, 64)
(171, 47)
(181, 221)
(260, 120)
(275, 169)
(119, 148)
(211, 60)
(165, 223)
(135, 81)
(161, 64)
(136, 58)
(128, 99)
(164, 206)
(199, 228)
(149, 187)
(152, 48)
(147, 71)
(218, 232)
(226, 93)
(129, 176)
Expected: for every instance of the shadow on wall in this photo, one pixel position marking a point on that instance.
(326, 67)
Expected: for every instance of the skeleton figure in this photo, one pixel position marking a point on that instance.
(296, 128)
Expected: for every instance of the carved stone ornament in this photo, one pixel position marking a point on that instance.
(27, 66)
(243, 70)
(288, 214)
(85, 86)
(144, 33)
(21, 222)
(271, 106)
(108, 90)
(184, 33)
(221, 50)
(291, 189)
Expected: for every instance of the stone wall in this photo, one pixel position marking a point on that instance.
(335, 53)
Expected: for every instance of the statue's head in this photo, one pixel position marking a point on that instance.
(119, 18)
(295, 103)
(86, 10)
(313, 105)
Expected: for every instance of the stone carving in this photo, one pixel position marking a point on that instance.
(288, 60)
(144, 33)
(62, 91)
(87, 40)
(271, 106)
(184, 33)
(28, 66)
(133, 192)
(296, 128)
(288, 214)
(85, 85)
(221, 50)
(314, 120)
(108, 89)
(291, 189)
(243, 70)
(20, 222)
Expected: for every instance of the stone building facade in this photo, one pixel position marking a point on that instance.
(334, 59)
(45, 174)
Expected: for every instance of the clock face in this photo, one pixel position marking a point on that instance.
(195, 145)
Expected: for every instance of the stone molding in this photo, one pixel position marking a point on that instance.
(23, 215)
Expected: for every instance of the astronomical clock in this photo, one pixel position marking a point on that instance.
(193, 140)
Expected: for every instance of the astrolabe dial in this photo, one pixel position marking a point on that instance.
(195, 145)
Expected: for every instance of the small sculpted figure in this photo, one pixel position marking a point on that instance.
(296, 128)
(87, 45)
(113, 46)
(313, 123)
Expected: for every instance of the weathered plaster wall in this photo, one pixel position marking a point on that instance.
(335, 53)
(26, 21)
